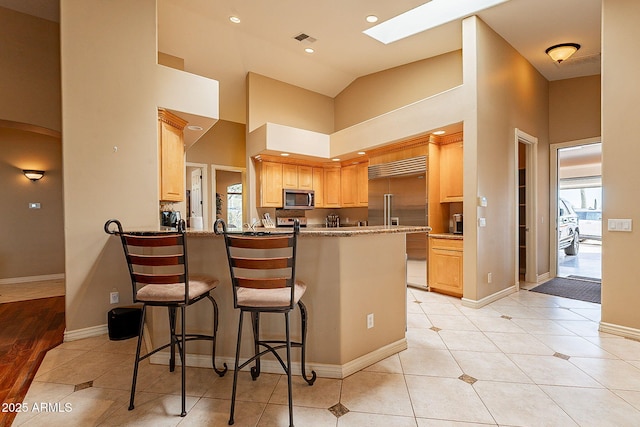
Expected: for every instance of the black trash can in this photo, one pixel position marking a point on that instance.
(124, 322)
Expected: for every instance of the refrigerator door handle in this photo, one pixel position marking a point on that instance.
(387, 209)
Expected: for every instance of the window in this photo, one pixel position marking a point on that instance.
(234, 206)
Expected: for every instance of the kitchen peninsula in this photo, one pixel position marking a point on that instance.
(350, 273)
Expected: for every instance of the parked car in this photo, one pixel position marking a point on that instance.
(568, 228)
(590, 222)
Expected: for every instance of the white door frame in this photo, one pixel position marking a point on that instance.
(245, 194)
(553, 196)
(531, 143)
(205, 200)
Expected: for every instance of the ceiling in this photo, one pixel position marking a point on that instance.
(200, 32)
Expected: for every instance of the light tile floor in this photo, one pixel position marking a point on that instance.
(529, 359)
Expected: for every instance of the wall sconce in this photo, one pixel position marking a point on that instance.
(33, 175)
(562, 52)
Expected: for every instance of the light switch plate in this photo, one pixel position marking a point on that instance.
(482, 222)
(33, 205)
(617, 224)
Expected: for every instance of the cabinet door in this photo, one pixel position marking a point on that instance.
(363, 184)
(305, 177)
(445, 266)
(451, 172)
(332, 187)
(289, 176)
(349, 186)
(271, 184)
(318, 186)
(172, 185)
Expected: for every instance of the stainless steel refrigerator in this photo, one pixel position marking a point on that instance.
(398, 196)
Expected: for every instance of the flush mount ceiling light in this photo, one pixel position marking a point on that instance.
(425, 17)
(562, 52)
(284, 154)
(234, 19)
(309, 50)
(439, 132)
(194, 127)
(362, 153)
(33, 175)
(372, 18)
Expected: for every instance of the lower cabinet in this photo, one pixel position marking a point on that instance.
(445, 266)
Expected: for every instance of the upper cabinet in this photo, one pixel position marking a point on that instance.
(171, 153)
(332, 188)
(355, 185)
(270, 175)
(451, 172)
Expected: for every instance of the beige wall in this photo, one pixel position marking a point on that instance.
(510, 94)
(620, 153)
(378, 93)
(33, 240)
(30, 70)
(574, 109)
(270, 100)
(224, 144)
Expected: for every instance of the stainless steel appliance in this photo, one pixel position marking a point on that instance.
(288, 221)
(457, 223)
(298, 199)
(398, 196)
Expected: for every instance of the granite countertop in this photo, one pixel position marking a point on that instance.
(449, 236)
(329, 231)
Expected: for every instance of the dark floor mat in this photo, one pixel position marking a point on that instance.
(582, 290)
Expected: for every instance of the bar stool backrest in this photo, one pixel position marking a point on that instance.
(261, 261)
(154, 258)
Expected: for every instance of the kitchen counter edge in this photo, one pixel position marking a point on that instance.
(329, 232)
(447, 236)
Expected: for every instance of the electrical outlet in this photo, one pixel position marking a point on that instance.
(369, 320)
(489, 277)
(114, 297)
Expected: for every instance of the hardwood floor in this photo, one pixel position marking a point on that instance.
(27, 330)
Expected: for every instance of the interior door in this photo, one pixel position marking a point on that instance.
(196, 193)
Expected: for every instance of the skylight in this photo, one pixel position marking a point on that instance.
(426, 17)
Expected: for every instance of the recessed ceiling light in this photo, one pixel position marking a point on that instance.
(234, 19)
(284, 154)
(362, 152)
(309, 50)
(439, 132)
(194, 127)
(335, 159)
(372, 18)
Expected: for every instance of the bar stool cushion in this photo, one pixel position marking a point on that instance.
(278, 297)
(198, 285)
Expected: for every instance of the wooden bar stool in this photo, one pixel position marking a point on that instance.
(263, 276)
(160, 277)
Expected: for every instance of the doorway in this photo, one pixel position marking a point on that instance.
(526, 208)
(577, 193)
(229, 188)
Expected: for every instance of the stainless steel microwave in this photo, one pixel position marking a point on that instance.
(298, 199)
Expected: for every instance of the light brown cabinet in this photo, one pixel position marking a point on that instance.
(451, 172)
(271, 178)
(354, 183)
(332, 189)
(446, 266)
(305, 178)
(171, 153)
(318, 186)
(289, 176)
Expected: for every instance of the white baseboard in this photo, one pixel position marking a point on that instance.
(489, 299)
(623, 331)
(79, 334)
(25, 279)
(273, 367)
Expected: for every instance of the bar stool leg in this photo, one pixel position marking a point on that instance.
(172, 332)
(222, 371)
(289, 381)
(235, 372)
(135, 366)
(183, 358)
(255, 321)
(303, 317)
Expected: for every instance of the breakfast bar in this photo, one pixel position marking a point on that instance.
(356, 299)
